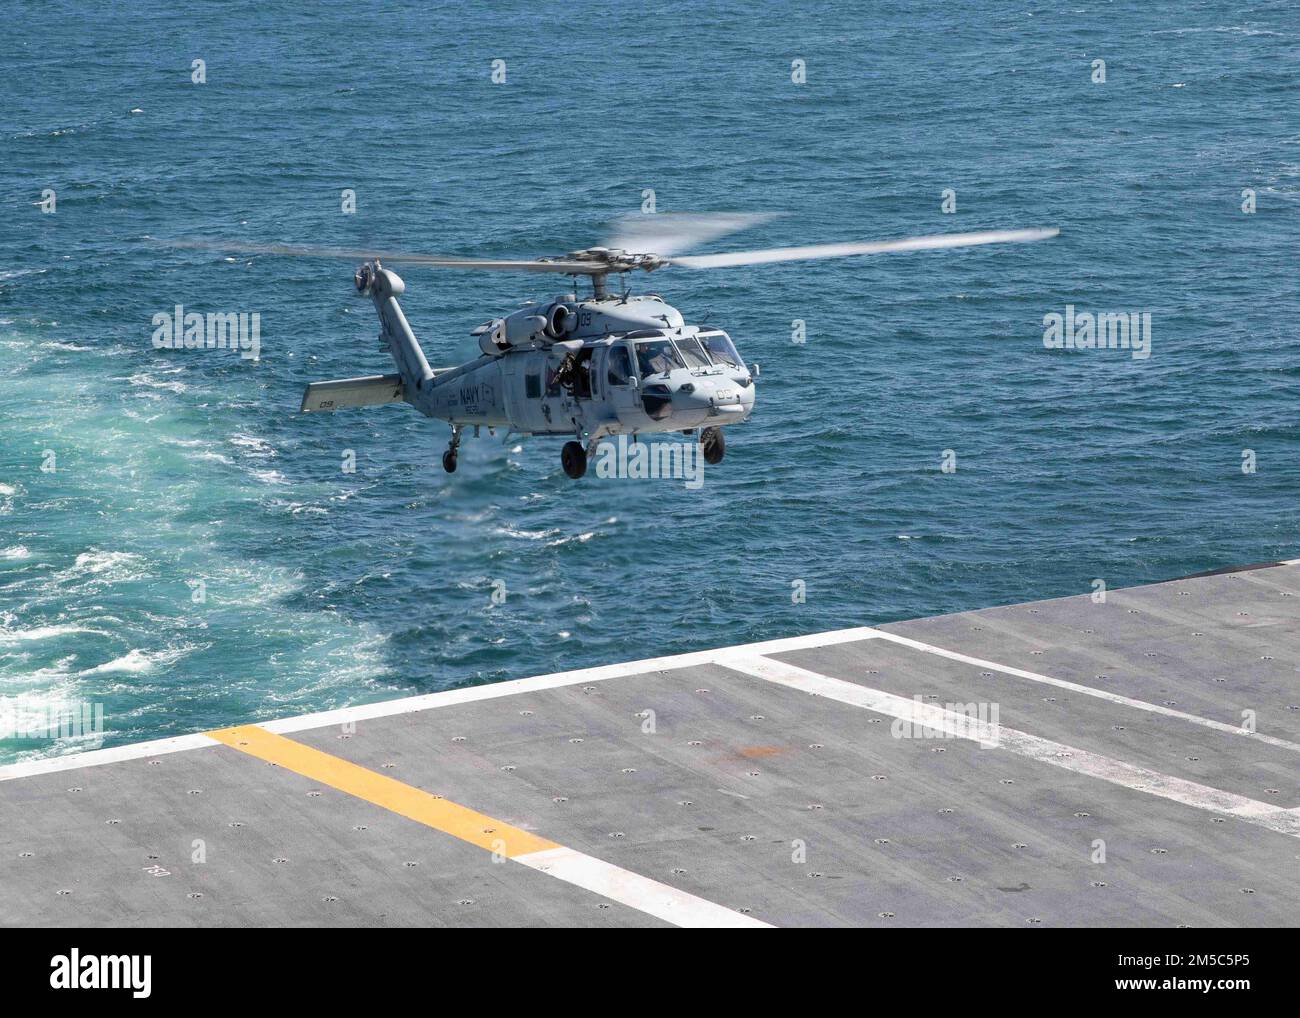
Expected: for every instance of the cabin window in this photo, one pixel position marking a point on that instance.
(722, 350)
(620, 365)
(657, 357)
(532, 386)
(692, 353)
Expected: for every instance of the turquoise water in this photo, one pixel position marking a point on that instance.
(325, 588)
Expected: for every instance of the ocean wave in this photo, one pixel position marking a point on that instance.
(210, 456)
(257, 447)
(43, 679)
(12, 636)
(106, 565)
(509, 530)
(138, 661)
(57, 344)
(96, 561)
(579, 538)
(143, 378)
(1247, 30)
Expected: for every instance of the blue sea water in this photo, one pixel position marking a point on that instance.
(325, 588)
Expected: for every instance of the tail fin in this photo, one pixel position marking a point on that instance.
(373, 390)
(384, 287)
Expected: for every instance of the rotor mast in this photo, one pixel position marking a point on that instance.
(599, 262)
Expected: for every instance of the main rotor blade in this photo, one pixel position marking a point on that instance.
(363, 254)
(666, 233)
(794, 254)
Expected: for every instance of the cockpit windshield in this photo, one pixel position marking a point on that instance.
(656, 356)
(693, 353)
(722, 350)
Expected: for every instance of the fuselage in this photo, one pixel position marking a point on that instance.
(591, 368)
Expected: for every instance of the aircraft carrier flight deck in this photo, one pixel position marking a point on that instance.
(1063, 763)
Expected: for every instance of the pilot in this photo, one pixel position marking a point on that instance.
(654, 359)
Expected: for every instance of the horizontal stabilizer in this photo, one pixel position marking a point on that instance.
(372, 390)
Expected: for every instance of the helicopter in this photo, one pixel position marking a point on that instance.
(611, 363)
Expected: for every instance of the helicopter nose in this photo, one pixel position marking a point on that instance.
(711, 397)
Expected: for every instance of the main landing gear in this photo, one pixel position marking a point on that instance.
(715, 446)
(573, 457)
(449, 457)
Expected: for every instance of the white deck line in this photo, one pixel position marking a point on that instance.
(1117, 772)
(1101, 694)
(641, 893)
(430, 701)
(98, 757)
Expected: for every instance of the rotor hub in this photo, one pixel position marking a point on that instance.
(616, 259)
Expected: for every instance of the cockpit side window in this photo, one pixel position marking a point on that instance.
(620, 365)
(693, 353)
(656, 356)
(722, 350)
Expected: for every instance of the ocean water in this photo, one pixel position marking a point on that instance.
(323, 588)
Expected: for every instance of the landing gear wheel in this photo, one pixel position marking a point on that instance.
(715, 446)
(449, 457)
(574, 458)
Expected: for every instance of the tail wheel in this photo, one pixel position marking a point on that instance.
(715, 446)
(449, 461)
(574, 459)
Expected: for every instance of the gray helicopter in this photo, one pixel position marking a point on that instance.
(607, 364)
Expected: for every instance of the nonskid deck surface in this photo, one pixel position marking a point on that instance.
(1064, 763)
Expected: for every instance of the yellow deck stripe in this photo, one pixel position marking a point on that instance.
(407, 800)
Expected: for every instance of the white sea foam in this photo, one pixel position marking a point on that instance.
(529, 535)
(255, 446)
(1220, 29)
(212, 457)
(71, 347)
(12, 636)
(104, 565)
(137, 661)
(96, 561)
(580, 538)
(147, 380)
